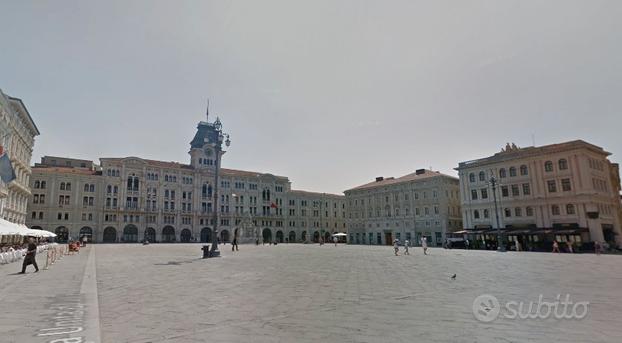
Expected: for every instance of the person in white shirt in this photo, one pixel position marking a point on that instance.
(406, 243)
(424, 244)
(396, 246)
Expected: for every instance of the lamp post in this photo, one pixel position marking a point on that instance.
(493, 184)
(220, 138)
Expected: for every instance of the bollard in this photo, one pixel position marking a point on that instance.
(205, 251)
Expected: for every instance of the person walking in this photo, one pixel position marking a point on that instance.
(569, 245)
(396, 246)
(406, 243)
(597, 248)
(30, 256)
(466, 244)
(335, 239)
(424, 245)
(234, 245)
(555, 247)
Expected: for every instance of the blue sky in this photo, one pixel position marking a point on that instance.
(328, 93)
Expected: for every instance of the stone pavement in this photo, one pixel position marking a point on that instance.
(305, 293)
(53, 304)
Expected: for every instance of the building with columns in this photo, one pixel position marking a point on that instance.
(17, 139)
(569, 192)
(131, 199)
(425, 203)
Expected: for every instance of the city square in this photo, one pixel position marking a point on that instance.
(305, 293)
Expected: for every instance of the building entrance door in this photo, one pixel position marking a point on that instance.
(388, 238)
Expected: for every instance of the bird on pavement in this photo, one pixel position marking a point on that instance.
(453, 277)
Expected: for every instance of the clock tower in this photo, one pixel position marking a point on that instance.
(203, 146)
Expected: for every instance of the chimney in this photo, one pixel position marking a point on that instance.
(379, 178)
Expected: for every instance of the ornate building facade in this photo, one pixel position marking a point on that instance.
(422, 204)
(568, 192)
(132, 199)
(17, 139)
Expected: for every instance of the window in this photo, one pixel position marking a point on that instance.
(504, 191)
(566, 185)
(548, 166)
(529, 211)
(37, 184)
(552, 186)
(570, 209)
(482, 176)
(518, 212)
(42, 184)
(473, 194)
(515, 191)
(472, 177)
(524, 170)
(526, 189)
(476, 214)
(484, 193)
(512, 171)
(555, 210)
(502, 172)
(508, 212)
(563, 164)
(486, 213)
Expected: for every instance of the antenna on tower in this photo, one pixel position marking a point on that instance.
(533, 139)
(207, 111)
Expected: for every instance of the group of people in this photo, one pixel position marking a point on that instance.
(396, 246)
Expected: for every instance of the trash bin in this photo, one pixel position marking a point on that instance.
(205, 251)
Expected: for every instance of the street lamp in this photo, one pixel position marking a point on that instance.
(493, 184)
(221, 138)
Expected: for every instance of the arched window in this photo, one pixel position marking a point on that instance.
(472, 177)
(37, 184)
(62, 186)
(502, 172)
(482, 176)
(209, 191)
(42, 184)
(86, 187)
(91, 188)
(518, 212)
(548, 166)
(109, 189)
(512, 171)
(570, 209)
(508, 212)
(166, 193)
(555, 210)
(116, 189)
(476, 214)
(200, 160)
(563, 164)
(486, 213)
(529, 211)
(523, 170)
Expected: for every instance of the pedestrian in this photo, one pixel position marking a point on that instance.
(30, 256)
(555, 246)
(597, 247)
(424, 244)
(517, 245)
(234, 245)
(396, 246)
(466, 243)
(84, 239)
(406, 244)
(335, 239)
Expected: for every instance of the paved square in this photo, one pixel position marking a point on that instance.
(305, 293)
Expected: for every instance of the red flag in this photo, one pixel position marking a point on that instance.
(273, 205)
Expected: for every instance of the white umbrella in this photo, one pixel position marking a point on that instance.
(340, 234)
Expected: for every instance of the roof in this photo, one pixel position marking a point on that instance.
(403, 179)
(65, 170)
(301, 192)
(29, 117)
(511, 154)
(205, 133)
(154, 163)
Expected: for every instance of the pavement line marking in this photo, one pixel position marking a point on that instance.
(89, 291)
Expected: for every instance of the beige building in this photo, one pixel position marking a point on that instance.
(131, 199)
(422, 204)
(17, 138)
(566, 192)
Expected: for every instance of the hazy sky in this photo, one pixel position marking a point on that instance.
(328, 93)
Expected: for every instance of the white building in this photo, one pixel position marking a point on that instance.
(566, 192)
(17, 138)
(422, 204)
(130, 199)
